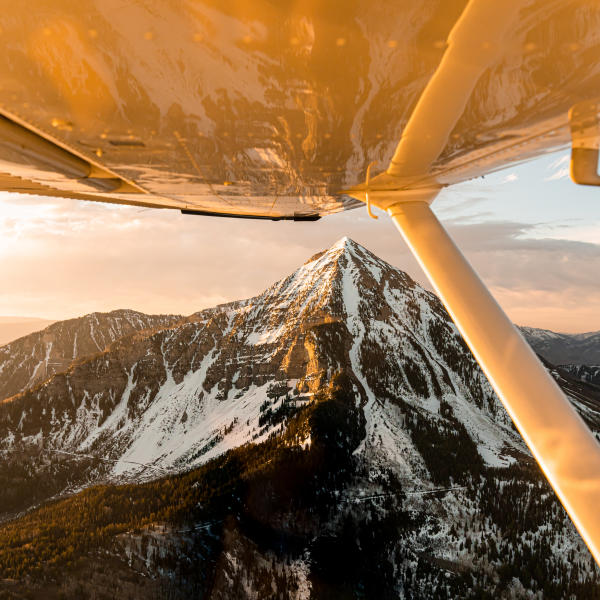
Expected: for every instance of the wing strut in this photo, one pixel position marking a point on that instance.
(564, 447)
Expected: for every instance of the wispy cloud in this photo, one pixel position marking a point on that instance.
(561, 161)
(560, 168)
(510, 178)
(64, 258)
(539, 281)
(559, 174)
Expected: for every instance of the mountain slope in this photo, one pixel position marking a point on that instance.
(586, 373)
(35, 357)
(334, 438)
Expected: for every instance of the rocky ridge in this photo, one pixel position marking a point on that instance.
(38, 356)
(585, 373)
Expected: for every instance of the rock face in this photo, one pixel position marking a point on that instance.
(564, 348)
(586, 373)
(361, 433)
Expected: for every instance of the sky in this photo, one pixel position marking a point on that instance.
(531, 234)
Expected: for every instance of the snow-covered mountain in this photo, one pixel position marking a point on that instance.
(37, 356)
(564, 348)
(178, 396)
(413, 416)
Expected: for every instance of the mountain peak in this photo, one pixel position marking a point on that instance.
(342, 246)
(346, 244)
(412, 411)
(355, 261)
(343, 243)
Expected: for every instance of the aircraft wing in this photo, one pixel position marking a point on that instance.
(270, 109)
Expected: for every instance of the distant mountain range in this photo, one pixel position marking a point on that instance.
(37, 356)
(332, 437)
(558, 348)
(564, 348)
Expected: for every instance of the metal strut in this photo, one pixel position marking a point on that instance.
(558, 438)
(564, 447)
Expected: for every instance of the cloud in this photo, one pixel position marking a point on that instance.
(541, 282)
(559, 174)
(560, 168)
(561, 161)
(64, 258)
(510, 178)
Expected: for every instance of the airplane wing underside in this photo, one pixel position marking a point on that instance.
(267, 108)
